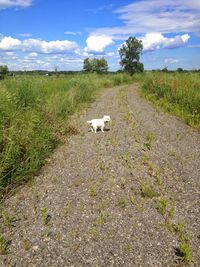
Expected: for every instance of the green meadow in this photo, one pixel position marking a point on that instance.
(34, 113)
(35, 110)
(177, 93)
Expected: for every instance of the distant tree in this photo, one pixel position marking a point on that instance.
(165, 69)
(87, 66)
(179, 69)
(56, 71)
(95, 65)
(130, 55)
(101, 65)
(3, 71)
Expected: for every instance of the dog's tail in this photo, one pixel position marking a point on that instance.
(89, 121)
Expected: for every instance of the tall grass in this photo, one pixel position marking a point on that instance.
(34, 111)
(178, 93)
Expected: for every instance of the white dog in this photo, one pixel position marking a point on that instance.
(99, 123)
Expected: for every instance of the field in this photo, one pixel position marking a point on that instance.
(34, 112)
(177, 93)
(34, 115)
(125, 197)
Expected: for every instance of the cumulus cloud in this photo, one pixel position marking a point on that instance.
(97, 43)
(172, 60)
(39, 46)
(156, 16)
(153, 41)
(15, 3)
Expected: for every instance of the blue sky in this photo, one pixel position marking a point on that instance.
(40, 34)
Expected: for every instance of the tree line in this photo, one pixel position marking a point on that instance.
(129, 53)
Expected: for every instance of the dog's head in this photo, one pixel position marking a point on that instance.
(106, 118)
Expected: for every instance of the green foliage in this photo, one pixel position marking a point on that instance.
(130, 55)
(148, 140)
(93, 191)
(177, 93)
(3, 245)
(95, 65)
(162, 205)
(147, 190)
(122, 202)
(44, 215)
(186, 251)
(3, 71)
(34, 115)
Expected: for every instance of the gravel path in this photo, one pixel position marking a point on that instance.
(125, 197)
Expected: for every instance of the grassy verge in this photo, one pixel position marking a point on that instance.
(177, 93)
(34, 115)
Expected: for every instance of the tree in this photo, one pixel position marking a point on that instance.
(95, 65)
(101, 65)
(179, 70)
(165, 69)
(130, 55)
(3, 71)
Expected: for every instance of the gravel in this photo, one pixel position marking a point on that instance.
(89, 205)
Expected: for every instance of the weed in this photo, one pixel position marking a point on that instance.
(186, 251)
(172, 210)
(94, 233)
(101, 219)
(103, 167)
(179, 227)
(148, 191)
(102, 179)
(68, 208)
(93, 191)
(162, 205)
(101, 206)
(45, 217)
(3, 245)
(8, 220)
(133, 200)
(122, 202)
(131, 168)
(148, 140)
(122, 182)
(128, 117)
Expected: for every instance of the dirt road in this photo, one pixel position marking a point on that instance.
(126, 197)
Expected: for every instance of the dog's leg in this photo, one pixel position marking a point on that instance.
(102, 129)
(95, 129)
(92, 129)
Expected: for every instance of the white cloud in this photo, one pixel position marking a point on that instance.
(39, 46)
(72, 33)
(9, 43)
(14, 3)
(97, 43)
(172, 60)
(24, 34)
(156, 16)
(153, 41)
(177, 41)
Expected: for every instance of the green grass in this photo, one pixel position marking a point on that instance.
(34, 114)
(177, 93)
